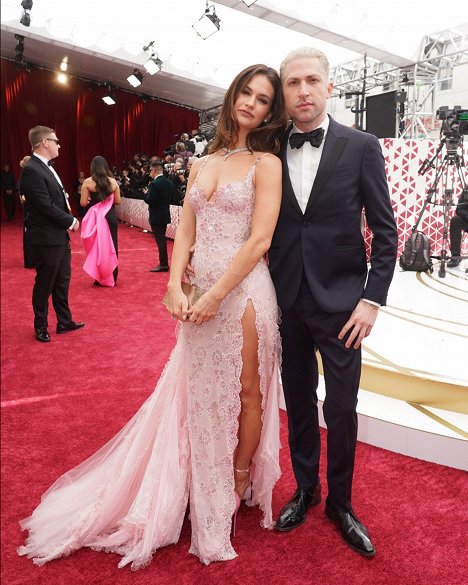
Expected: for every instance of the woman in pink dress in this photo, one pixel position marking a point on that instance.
(100, 192)
(209, 433)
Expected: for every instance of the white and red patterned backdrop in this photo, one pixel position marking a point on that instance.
(409, 190)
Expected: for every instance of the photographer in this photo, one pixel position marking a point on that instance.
(458, 223)
(180, 186)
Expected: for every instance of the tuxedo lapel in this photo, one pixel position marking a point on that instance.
(287, 185)
(44, 166)
(332, 150)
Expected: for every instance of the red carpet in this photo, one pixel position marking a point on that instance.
(63, 400)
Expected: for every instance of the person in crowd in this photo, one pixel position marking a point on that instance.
(159, 197)
(125, 183)
(180, 185)
(28, 257)
(328, 299)
(80, 210)
(8, 187)
(182, 152)
(458, 224)
(189, 145)
(49, 219)
(101, 193)
(214, 413)
(140, 181)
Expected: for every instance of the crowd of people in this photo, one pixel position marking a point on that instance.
(135, 175)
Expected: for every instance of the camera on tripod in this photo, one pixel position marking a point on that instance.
(454, 126)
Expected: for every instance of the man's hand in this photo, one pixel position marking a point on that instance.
(360, 323)
(76, 225)
(189, 271)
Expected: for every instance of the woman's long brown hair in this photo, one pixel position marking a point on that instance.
(100, 174)
(265, 138)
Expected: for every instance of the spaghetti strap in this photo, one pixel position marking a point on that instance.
(259, 159)
(201, 167)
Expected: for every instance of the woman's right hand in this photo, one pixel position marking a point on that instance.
(177, 304)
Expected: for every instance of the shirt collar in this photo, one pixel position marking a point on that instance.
(42, 158)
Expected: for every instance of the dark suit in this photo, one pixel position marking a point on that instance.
(159, 198)
(47, 219)
(318, 264)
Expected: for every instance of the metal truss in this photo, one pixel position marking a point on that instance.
(438, 54)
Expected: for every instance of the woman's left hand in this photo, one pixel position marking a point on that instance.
(205, 309)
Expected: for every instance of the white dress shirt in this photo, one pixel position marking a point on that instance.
(303, 164)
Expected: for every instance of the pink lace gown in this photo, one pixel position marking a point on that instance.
(131, 496)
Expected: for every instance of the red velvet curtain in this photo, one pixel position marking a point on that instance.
(85, 125)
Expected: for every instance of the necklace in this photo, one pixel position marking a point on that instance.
(230, 151)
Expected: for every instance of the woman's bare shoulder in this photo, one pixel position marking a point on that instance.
(267, 161)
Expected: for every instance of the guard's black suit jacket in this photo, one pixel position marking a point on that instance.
(326, 242)
(158, 198)
(46, 214)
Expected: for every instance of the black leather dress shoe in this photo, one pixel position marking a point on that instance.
(353, 531)
(294, 513)
(42, 335)
(66, 327)
(453, 262)
(160, 269)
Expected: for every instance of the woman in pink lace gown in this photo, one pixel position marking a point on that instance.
(213, 417)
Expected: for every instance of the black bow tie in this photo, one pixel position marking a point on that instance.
(51, 163)
(315, 138)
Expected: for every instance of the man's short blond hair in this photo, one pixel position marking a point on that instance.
(305, 53)
(38, 133)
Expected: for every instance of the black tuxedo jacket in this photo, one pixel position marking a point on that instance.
(325, 243)
(158, 198)
(46, 214)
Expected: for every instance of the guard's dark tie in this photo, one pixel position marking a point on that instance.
(315, 138)
(51, 163)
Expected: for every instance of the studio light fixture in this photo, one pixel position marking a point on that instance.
(153, 65)
(25, 20)
(109, 98)
(64, 64)
(249, 2)
(62, 78)
(135, 78)
(208, 23)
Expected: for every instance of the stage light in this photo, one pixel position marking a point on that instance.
(153, 65)
(62, 78)
(135, 78)
(249, 2)
(208, 23)
(25, 20)
(109, 98)
(64, 64)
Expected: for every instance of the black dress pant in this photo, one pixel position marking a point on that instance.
(304, 329)
(457, 225)
(53, 273)
(10, 205)
(159, 232)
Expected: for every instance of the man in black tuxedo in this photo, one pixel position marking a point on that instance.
(48, 219)
(158, 197)
(328, 299)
